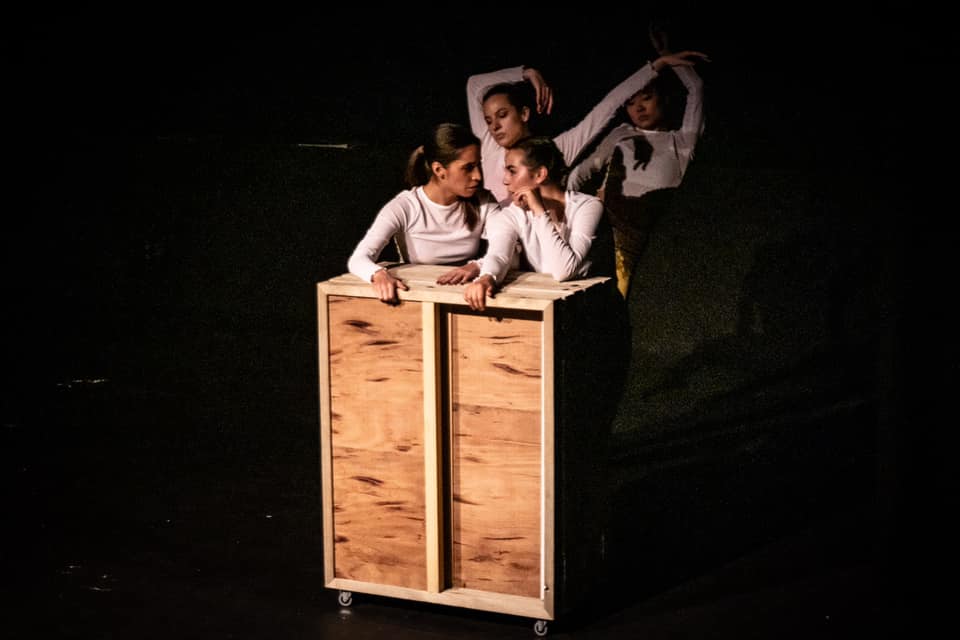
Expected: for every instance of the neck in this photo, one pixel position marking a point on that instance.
(438, 194)
(552, 192)
(554, 201)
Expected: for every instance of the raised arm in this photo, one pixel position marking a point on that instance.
(543, 93)
(477, 85)
(575, 140)
(572, 141)
(692, 125)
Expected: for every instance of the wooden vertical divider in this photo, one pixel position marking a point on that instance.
(432, 448)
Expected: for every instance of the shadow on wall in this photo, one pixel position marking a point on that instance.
(751, 403)
(747, 277)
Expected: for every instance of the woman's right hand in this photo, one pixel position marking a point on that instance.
(477, 291)
(386, 286)
(529, 199)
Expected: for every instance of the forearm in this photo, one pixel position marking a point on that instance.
(502, 238)
(497, 266)
(693, 113)
(584, 171)
(575, 140)
(389, 221)
(557, 257)
(564, 258)
(362, 263)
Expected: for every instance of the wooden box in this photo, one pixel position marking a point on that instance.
(461, 452)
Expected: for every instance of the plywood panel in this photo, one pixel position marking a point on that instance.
(495, 456)
(376, 403)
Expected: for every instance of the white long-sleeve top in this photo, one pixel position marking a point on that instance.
(670, 151)
(433, 233)
(571, 142)
(563, 250)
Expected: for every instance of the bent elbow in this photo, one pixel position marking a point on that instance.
(475, 84)
(563, 274)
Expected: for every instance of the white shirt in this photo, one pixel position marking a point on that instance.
(559, 250)
(433, 233)
(570, 142)
(665, 155)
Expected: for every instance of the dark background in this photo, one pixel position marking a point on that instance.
(168, 226)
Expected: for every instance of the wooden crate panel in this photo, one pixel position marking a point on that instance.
(498, 360)
(376, 403)
(495, 459)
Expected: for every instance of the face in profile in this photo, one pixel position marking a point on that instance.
(463, 176)
(517, 177)
(505, 122)
(644, 110)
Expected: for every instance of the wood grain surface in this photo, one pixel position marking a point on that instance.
(495, 457)
(376, 398)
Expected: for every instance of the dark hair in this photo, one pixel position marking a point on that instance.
(518, 94)
(672, 96)
(444, 145)
(541, 151)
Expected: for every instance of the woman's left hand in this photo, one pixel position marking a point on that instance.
(460, 275)
(680, 59)
(544, 94)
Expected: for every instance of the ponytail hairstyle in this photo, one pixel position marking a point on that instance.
(444, 145)
(541, 151)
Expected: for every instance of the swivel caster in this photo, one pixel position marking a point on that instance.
(345, 599)
(540, 628)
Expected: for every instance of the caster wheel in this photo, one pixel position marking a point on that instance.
(540, 628)
(345, 598)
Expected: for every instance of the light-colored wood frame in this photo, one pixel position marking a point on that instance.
(432, 447)
(525, 291)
